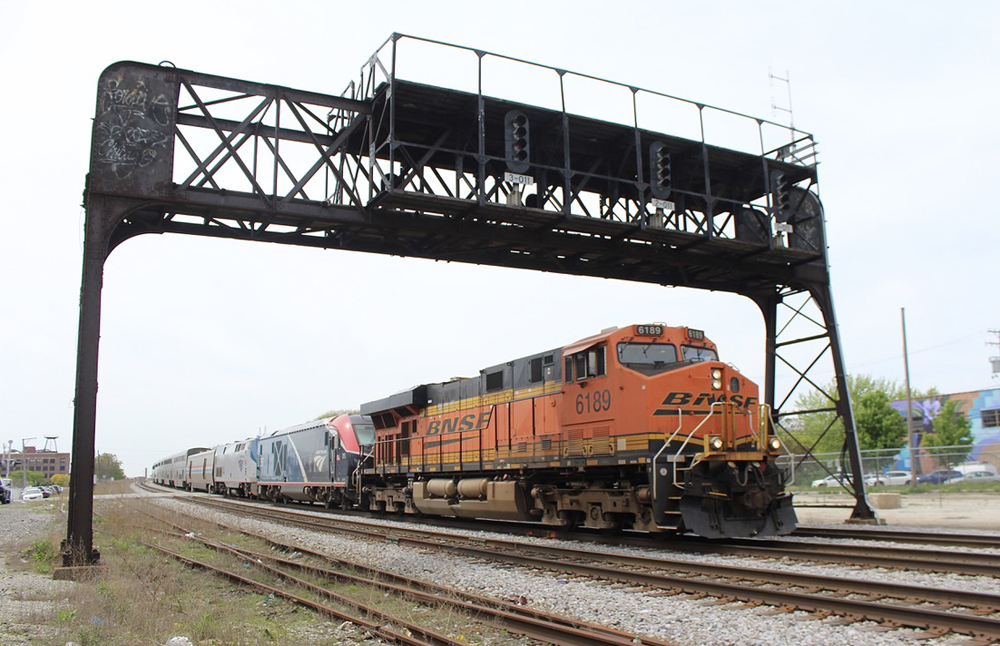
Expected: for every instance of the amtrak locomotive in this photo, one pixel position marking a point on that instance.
(638, 428)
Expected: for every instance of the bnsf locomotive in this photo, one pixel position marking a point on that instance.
(639, 427)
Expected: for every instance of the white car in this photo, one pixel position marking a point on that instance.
(975, 476)
(832, 481)
(32, 493)
(888, 478)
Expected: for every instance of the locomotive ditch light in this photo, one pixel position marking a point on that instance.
(715, 443)
(775, 444)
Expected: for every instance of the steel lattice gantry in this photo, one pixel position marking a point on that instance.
(396, 166)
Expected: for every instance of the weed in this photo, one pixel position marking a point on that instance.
(42, 553)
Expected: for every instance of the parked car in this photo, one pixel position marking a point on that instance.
(969, 467)
(940, 476)
(4, 494)
(832, 481)
(976, 476)
(32, 493)
(888, 478)
(46, 492)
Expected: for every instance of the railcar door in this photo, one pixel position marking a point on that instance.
(338, 463)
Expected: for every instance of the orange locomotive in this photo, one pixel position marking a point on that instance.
(640, 427)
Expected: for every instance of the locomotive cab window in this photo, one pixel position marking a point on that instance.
(587, 364)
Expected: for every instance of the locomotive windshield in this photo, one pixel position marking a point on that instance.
(646, 355)
(363, 430)
(695, 353)
(654, 358)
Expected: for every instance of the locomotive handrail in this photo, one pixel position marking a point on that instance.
(687, 438)
(711, 412)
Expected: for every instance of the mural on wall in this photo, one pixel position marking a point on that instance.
(977, 405)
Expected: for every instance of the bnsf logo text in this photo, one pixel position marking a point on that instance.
(706, 399)
(470, 422)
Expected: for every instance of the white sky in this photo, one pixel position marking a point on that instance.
(206, 341)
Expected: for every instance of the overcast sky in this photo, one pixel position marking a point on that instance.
(206, 341)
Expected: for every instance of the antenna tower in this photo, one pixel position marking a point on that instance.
(775, 108)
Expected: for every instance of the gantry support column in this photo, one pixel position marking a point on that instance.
(78, 548)
(862, 509)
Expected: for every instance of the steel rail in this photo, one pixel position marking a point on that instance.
(901, 536)
(489, 549)
(426, 637)
(937, 561)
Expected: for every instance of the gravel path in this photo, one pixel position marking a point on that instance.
(679, 618)
(26, 596)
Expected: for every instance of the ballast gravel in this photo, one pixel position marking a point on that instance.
(682, 619)
(26, 596)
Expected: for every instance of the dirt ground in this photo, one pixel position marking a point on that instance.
(953, 511)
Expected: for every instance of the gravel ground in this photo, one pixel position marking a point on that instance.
(26, 597)
(678, 618)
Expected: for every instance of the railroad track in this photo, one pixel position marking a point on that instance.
(949, 561)
(503, 614)
(900, 536)
(926, 560)
(897, 604)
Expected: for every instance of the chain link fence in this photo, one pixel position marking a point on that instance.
(879, 461)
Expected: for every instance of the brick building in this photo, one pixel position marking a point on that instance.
(47, 462)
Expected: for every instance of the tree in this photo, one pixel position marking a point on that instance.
(108, 466)
(337, 412)
(35, 478)
(952, 438)
(60, 479)
(879, 425)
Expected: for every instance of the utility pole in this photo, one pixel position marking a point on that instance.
(24, 462)
(909, 405)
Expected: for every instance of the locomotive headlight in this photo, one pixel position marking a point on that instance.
(715, 443)
(775, 444)
(716, 379)
(716, 373)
